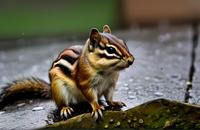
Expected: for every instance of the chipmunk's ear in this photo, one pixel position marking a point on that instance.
(94, 38)
(106, 29)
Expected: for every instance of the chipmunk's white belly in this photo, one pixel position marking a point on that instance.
(72, 95)
(101, 83)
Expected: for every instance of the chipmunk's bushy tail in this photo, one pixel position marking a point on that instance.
(23, 89)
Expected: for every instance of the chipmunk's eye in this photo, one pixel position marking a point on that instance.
(110, 50)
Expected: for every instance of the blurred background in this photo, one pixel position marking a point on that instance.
(28, 18)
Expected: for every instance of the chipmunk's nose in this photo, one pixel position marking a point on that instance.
(131, 60)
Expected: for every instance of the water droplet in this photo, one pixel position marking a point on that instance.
(1, 112)
(133, 125)
(130, 80)
(130, 92)
(175, 76)
(141, 121)
(125, 84)
(111, 121)
(168, 111)
(189, 83)
(147, 78)
(157, 52)
(131, 97)
(123, 88)
(106, 126)
(134, 118)
(129, 121)
(37, 109)
(167, 124)
(158, 94)
(118, 123)
(21, 104)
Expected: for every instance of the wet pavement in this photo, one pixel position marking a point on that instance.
(161, 70)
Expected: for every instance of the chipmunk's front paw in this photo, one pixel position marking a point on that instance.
(97, 112)
(66, 112)
(116, 104)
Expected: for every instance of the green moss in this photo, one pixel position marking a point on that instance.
(155, 114)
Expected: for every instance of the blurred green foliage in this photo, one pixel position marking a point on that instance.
(55, 17)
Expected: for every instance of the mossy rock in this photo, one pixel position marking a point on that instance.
(160, 113)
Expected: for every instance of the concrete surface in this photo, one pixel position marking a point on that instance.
(160, 70)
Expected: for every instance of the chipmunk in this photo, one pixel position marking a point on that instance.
(81, 74)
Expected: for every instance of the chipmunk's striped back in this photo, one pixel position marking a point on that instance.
(67, 59)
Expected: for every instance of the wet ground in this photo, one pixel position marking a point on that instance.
(161, 70)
